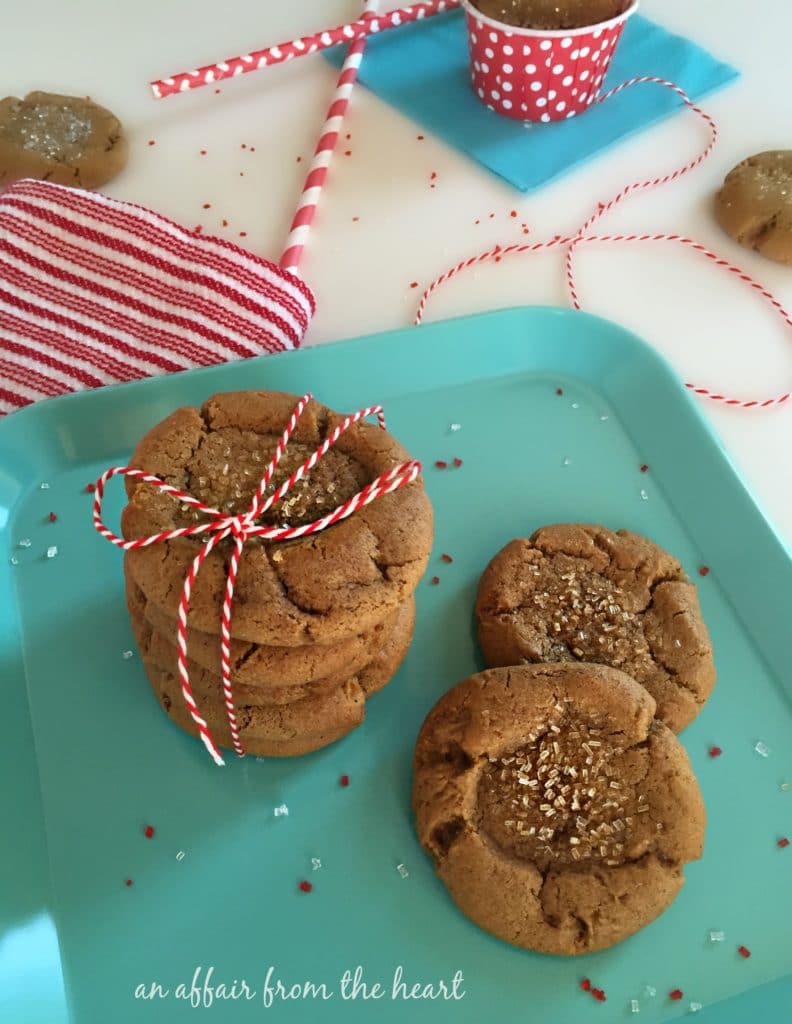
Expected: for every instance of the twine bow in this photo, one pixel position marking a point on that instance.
(241, 528)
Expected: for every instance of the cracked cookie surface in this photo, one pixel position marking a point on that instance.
(754, 205)
(558, 812)
(69, 140)
(577, 593)
(317, 589)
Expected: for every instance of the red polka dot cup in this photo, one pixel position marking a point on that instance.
(539, 74)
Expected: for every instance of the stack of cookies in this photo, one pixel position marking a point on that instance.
(320, 623)
(551, 791)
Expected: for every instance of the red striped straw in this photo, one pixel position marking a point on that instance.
(317, 174)
(234, 66)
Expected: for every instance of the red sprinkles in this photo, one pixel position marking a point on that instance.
(128, 882)
(148, 831)
(744, 952)
(440, 464)
(783, 842)
(715, 751)
(435, 580)
(559, 391)
(644, 468)
(675, 994)
(599, 995)
(585, 985)
(305, 886)
(152, 142)
(413, 284)
(704, 570)
(447, 558)
(52, 517)
(90, 488)
(344, 780)
(457, 463)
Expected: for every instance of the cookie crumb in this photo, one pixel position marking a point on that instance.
(305, 886)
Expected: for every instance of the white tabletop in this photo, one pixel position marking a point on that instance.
(712, 329)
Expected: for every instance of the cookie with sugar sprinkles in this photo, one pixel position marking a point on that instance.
(68, 140)
(583, 593)
(315, 589)
(754, 205)
(558, 812)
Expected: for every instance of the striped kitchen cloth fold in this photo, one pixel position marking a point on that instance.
(94, 291)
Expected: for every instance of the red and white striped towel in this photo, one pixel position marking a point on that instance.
(95, 291)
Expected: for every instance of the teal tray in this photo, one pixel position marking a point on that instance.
(88, 758)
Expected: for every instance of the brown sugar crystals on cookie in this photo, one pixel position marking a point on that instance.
(754, 205)
(584, 593)
(558, 812)
(551, 14)
(68, 140)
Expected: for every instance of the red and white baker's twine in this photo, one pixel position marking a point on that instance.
(571, 242)
(233, 66)
(241, 528)
(328, 140)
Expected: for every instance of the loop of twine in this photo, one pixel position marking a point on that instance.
(582, 237)
(240, 529)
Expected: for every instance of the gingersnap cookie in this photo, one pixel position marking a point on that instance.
(259, 664)
(551, 14)
(558, 812)
(382, 665)
(172, 702)
(586, 593)
(69, 140)
(754, 205)
(318, 589)
(279, 721)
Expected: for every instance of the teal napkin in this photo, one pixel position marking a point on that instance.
(422, 70)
